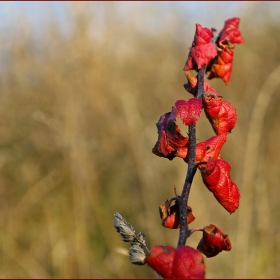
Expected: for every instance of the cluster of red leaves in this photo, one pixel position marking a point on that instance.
(220, 113)
(186, 262)
(169, 214)
(216, 177)
(171, 143)
(218, 57)
(213, 242)
(182, 263)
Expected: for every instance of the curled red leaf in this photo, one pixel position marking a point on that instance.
(191, 86)
(171, 142)
(230, 32)
(216, 177)
(210, 148)
(213, 241)
(222, 65)
(169, 214)
(188, 111)
(221, 114)
(202, 50)
(183, 263)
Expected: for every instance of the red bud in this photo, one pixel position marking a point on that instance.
(169, 214)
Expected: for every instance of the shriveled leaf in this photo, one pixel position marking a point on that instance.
(169, 214)
(213, 241)
(202, 50)
(230, 32)
(210, 148)
(216, 177)
(221, 114)
(222, 65)
(202, 35)
(171, 142)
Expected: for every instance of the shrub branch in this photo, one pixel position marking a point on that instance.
(192, 167)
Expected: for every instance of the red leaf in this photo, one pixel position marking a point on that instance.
(171, 142)
(161, 260)
(202, 35)
(202, 50)
(222, 65)
(213, 242)
(216, 177)
(220, 113)
(188, 264)
(209, 149)
(191, 86)
(230, 32)
(183, 263)
(169, 214)
(188, 111)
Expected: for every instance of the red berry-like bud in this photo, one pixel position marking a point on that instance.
(169, 214)
(213, 242)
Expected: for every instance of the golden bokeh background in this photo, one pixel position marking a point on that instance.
(81, 88)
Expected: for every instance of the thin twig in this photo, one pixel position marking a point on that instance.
(192, 167)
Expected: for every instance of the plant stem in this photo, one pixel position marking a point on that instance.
(192, 167)
(200, 82)
(183, 199)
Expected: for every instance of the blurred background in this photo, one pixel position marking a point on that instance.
(82, 85)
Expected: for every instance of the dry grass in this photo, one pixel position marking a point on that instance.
(77, 125)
